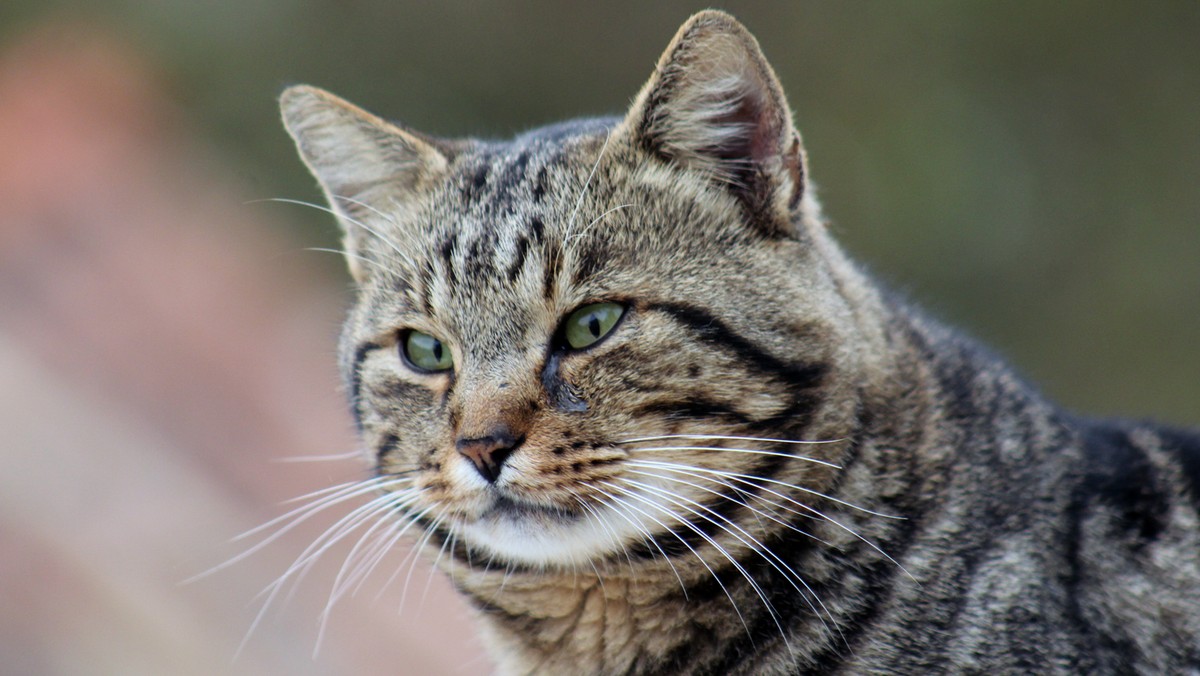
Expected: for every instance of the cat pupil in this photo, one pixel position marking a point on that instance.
(594, 325)
(437, 350)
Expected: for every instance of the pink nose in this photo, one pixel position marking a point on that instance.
(489, 453)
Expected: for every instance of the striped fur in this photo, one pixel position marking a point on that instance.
(769, 465)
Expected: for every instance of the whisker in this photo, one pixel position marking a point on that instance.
(586, 185)
(737, 450)
(646, 537)
(339, 530)
(412, 558)
(341, 252)
(721, 550)
(741, 535)
(597, 219)
(450, 541)
(320, 458)
(379, 549)
(750, 481)
(741, 491)
(801, 489)
(342, 582)
(396, 528)
(347, 525)
(594, 515)
(338, 214)
(387, 217)
(699, 558)
(326, 498)
(729, 437)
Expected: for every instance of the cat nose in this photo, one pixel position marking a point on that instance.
(488, 453)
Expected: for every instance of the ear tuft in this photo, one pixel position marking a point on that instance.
(715, 104)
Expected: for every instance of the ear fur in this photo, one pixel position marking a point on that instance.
(714, 104)
(358, 158)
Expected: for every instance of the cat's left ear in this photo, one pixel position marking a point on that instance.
(715, 105)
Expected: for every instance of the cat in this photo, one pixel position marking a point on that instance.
(617, 373)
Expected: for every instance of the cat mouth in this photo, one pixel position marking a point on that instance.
(536, 533)
(505, 507)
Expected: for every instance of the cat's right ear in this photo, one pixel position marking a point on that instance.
(362, 162)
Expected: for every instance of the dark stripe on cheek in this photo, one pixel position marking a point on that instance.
(693, 408)
(558, 391)
(360, 354)
(387, 444)
(716, 333)
(550, 261)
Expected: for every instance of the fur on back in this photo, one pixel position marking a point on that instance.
(767, 464)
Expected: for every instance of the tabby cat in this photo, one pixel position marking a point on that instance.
(651, 419)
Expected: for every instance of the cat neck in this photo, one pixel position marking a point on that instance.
(615, 618)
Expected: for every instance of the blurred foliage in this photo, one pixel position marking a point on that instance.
(1027, 169)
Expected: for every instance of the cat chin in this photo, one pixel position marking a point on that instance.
(545, 539)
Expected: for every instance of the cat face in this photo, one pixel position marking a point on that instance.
(588, 339)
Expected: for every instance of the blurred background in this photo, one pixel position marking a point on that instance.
(1029, 171)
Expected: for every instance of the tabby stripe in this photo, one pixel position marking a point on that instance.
(537, 228)
(880, 577)
(427, 290)
(360, 355)
(589, 260)
(717, 333)
(513, 173)
(1186, 448)
(386, 445)
(447, 251)
(518, 622)
(514, 270)
(551, 258)
(1098, 642)
(479, 261)
(1120, 474)
(694, 408)
(539, 185)
(473, 189)
(560, 393)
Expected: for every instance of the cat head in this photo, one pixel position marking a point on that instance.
(563, 342)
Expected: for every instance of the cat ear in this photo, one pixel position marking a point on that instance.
(362, 162)
(715, 104)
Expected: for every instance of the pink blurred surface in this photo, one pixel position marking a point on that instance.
(163, 346)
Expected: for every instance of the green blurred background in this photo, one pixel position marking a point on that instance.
(1027, 170)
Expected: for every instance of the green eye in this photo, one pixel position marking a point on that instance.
(587, 325)
(426, 353)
